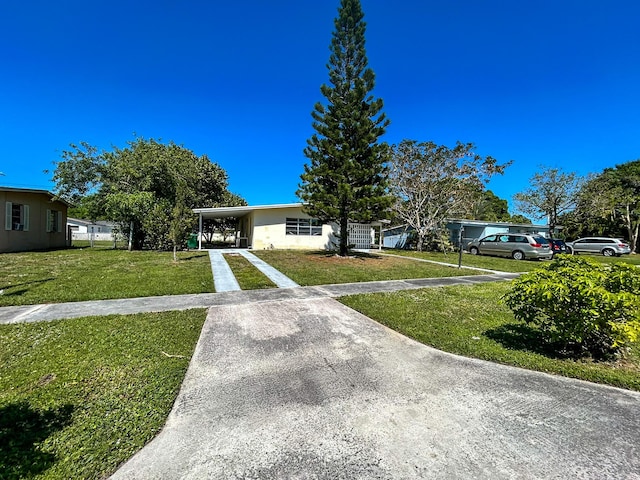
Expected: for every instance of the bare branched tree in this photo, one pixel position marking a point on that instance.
(433, 182)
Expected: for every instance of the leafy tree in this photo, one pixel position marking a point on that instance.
(593, 215)
(148, 187)
(519, 219)
(552, 193)
(86, 208)
(609, 203)
(434, 182)
(491, 208)
(345, 179)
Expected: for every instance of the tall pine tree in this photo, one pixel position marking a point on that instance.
(346, 178)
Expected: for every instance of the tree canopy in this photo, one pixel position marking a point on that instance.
(491, 208)
(345, 179)
(552, 193)
(608, 204)
(148, 187)
(433, 182)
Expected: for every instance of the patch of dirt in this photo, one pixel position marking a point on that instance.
(46, 379)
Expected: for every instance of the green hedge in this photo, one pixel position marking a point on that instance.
(580, 304)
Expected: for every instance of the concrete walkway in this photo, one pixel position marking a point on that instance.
(223, 278)
(57, 311)
(225, 281)
(310, 389)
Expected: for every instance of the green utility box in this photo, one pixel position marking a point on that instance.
(193, 241)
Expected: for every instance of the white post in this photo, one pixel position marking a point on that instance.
(200, 232)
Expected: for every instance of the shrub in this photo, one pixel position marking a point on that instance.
(581, 304)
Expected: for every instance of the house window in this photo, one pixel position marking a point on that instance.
(304, 226)
(54, 221)
(16, 217)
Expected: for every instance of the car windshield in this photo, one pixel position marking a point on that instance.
(541, 240)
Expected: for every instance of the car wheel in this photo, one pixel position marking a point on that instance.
(474, 251)
(518, 255)
(570, 251)
(607, 252)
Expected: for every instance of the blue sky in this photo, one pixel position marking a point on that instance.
(551, 82)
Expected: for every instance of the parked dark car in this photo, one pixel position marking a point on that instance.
(557, 246)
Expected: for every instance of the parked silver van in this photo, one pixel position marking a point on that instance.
(599, 245)
(515, 245)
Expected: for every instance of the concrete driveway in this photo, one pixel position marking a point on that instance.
(308, 388)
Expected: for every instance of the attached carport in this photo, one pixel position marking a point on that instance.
(216, 213)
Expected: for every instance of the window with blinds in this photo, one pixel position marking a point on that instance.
(303, 226)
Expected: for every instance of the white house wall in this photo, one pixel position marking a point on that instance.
(269, 231)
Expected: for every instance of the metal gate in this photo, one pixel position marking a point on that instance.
(360, 235)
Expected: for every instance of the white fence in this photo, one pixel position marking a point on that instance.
(96, 236)
(360, 235)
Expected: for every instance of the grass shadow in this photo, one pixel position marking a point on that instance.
(520, 336)
(22, 430)
(351, 254)
(192, 256)
(20, 292)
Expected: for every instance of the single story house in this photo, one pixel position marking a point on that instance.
(32, 219)
(397, 237)
(284, 226)
(88, 230)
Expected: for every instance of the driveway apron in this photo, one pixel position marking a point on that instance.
(308, 388)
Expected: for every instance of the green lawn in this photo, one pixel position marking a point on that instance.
(248, 276)
(468, 320)
(321, 268)
(479, 261)
(78, 397)
(100, 273)
(632, 259)
(499, 263)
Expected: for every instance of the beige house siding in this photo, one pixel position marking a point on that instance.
(44, 221)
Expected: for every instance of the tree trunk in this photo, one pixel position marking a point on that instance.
(631, 229)
(131, 236)
(175, 252)
(420, 243)
(344, 235)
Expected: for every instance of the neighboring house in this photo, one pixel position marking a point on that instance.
(88, 230)
(396, 237)
(32, 220)
(285, 226)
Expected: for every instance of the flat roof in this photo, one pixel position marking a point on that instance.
(225, 212)
(35, 190)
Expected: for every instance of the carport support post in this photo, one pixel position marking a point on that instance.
(200, 231)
